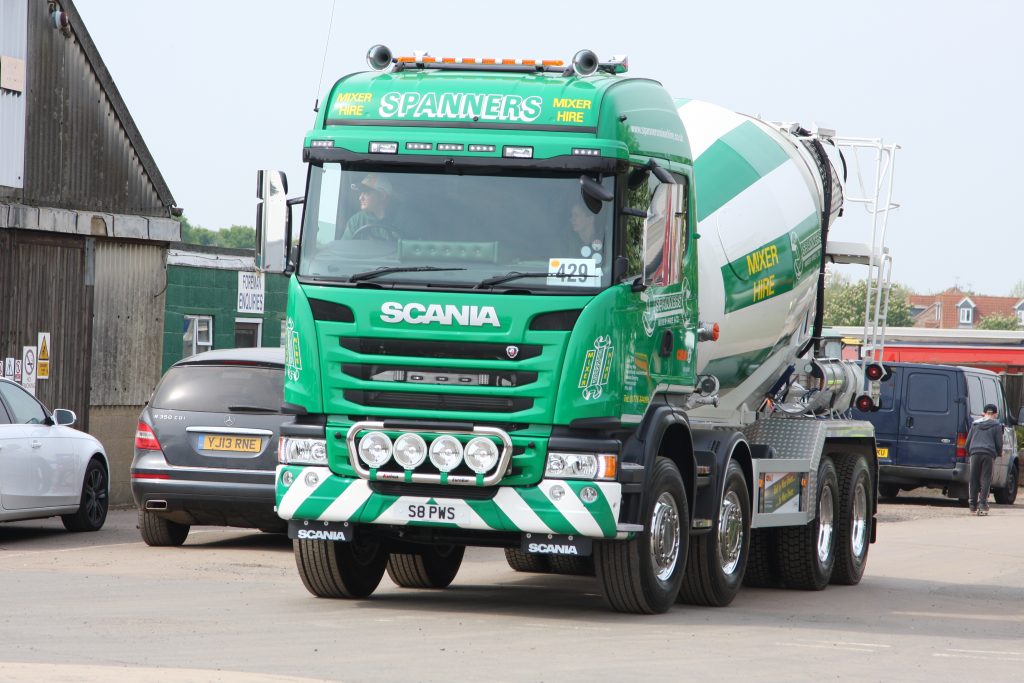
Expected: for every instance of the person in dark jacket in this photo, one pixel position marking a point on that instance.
(984, 444)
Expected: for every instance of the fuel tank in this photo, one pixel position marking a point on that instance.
(763, 192)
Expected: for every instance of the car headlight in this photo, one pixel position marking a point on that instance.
(375, 449)
(291, 450)
(481, 454)
(446, 453)
(581, 466)
(410, 451)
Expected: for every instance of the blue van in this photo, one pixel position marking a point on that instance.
(921, 429)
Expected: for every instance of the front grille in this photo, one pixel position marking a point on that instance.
(442, 376)
(433, 490)
(440, 349)
(432, 401)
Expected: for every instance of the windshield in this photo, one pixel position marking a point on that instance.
(502, 231)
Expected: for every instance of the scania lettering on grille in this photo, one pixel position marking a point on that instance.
(448, 314)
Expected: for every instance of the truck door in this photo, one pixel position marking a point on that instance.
(927, 436)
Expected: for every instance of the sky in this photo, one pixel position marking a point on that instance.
(220, 90)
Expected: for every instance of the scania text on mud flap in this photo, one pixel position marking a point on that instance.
(545, 307)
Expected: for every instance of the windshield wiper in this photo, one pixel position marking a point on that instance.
(251, 409)
(508, 277)
(370, 274)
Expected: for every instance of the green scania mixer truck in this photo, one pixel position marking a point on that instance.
(548, 308)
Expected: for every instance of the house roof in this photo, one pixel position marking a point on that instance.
(948, 301)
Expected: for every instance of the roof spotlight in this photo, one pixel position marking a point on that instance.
(584, 63)
(379, 58)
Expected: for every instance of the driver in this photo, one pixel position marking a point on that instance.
(373, 221)
(591, 236)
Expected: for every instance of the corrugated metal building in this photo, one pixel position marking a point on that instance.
(85, 221)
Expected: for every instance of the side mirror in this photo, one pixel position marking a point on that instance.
(594, 193)
(64, 417)
(271, 221)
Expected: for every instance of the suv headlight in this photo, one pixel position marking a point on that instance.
(293, 451)
(597, 466)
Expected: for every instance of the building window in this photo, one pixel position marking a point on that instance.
(248, 332)
(1020, 316)
(966, 315)
(198, 335)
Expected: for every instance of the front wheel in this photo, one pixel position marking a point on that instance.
(432, 567)
(92, 508)
(855, 520)
(715, 569)
(643, 575)
(1006, 496)
(335, 569)
(888, 490)
(807, 554)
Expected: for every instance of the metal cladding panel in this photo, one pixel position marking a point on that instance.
(129, 322)
(13, 32)
(79, 152)
(45, 281)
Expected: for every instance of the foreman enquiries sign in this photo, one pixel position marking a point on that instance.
(251, 292)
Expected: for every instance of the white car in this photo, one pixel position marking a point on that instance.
(46, 467)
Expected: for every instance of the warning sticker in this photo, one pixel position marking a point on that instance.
(43, 360)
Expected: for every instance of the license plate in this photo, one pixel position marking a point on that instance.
(226, 442)
(432, 512)
(882, 452)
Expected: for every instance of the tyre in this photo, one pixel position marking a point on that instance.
(717, 560)
(572, 565)
(92, 508)
(762, 563)
(432, 567)
(888, 490)
(527, 562)
(807, 554)
(853, 528)
(643, 575)
(158, 531)
(1006, 496)
(335, 569)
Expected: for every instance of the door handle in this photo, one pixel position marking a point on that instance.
(910, 422)
(37, 444)
(667, 341)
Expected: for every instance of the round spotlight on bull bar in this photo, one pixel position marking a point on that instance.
(379, 58)
(481, 454)
(410, 451)
(864, 403)
(446, 453)
(584, 62)
(375, 449)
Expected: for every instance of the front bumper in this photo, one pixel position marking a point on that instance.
(550, 507)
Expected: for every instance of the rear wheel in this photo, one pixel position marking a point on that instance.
(92, 508)
(335, 569)
(855, 519)
(432, 567)
(762, 564)
(572, 565)
(158, 531)
(807, 554)
(643, 575)
(527, 562)
(717, 560)
(888, 490)
(1006, 496)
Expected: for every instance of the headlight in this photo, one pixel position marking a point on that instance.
(375, 449)
(410, 451)
(446, 453)
(581, 466)
(291, 450)
(481, 454)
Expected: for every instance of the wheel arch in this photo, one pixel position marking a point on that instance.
(724, 447)
(664, 431)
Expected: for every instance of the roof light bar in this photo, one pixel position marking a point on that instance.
(584, 63)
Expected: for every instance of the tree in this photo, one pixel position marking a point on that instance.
(845, 300)
(235, 237)
(1018, 290)
(999, 321)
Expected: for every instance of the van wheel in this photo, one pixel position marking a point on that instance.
(807, 554)
(888, 490)
(855, 520)
(1006, 496)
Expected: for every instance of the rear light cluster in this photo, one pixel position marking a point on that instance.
(961, 445)
(145, 439)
